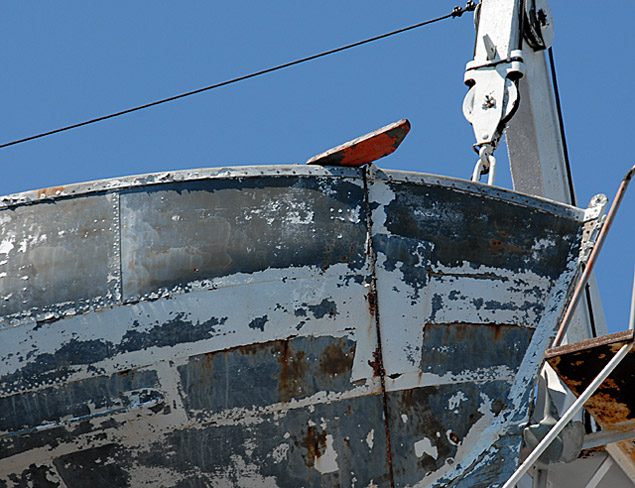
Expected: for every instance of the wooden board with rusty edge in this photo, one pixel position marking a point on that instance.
(613, 404)
(365, 149)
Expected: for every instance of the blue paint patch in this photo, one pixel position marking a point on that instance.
(437, 304)
(170, 333)
(463, 347)
(213, 238)
(454, 295)
(324, 308)
(466, 227)
(259, 323)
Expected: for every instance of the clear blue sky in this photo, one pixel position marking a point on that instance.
(64, 62)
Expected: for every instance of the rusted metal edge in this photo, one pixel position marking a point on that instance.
(133, 181)
(618, 338)
(115, 184)
(365, 149)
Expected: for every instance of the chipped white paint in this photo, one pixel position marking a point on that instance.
(425, 446)
(406, 309)
(468, 269)
(455, 400)
(327, 462)
(151, 476)
(370, 439)
(518, 300)
(263, 297)
(239, 416)
(6, 245)
(542, 337)
(285, 298)
(381, 193)
(541, 245)
(241, 474)
(279, 454)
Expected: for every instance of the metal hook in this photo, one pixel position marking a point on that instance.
(486, 164)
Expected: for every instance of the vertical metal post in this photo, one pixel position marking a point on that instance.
(568, 415)
(631, 320)
(541, 477)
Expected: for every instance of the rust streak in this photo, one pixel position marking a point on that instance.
(372, 302)
(377, 363)
(497, 246)
(50, 192)
(315, 444)
(335, 360)
(293, 369)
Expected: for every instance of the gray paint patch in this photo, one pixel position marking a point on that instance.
(178, 233)
(59, 256)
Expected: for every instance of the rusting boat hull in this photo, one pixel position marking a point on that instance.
(275, 326)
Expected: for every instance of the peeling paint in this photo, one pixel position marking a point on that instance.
(370, 439)
(424, 446)
(220, 328)
(327, 462)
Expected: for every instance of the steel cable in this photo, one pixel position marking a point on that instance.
(456, 12)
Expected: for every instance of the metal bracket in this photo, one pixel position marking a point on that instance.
(594, 217)
(493, 94)
(566, 446)
(597, 207)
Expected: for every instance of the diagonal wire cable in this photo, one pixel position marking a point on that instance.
(456, 12)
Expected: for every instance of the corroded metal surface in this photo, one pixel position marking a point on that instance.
(275, 326)
(613, 403)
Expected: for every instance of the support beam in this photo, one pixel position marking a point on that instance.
(569, 414)
(534, 142)
(598, 439)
